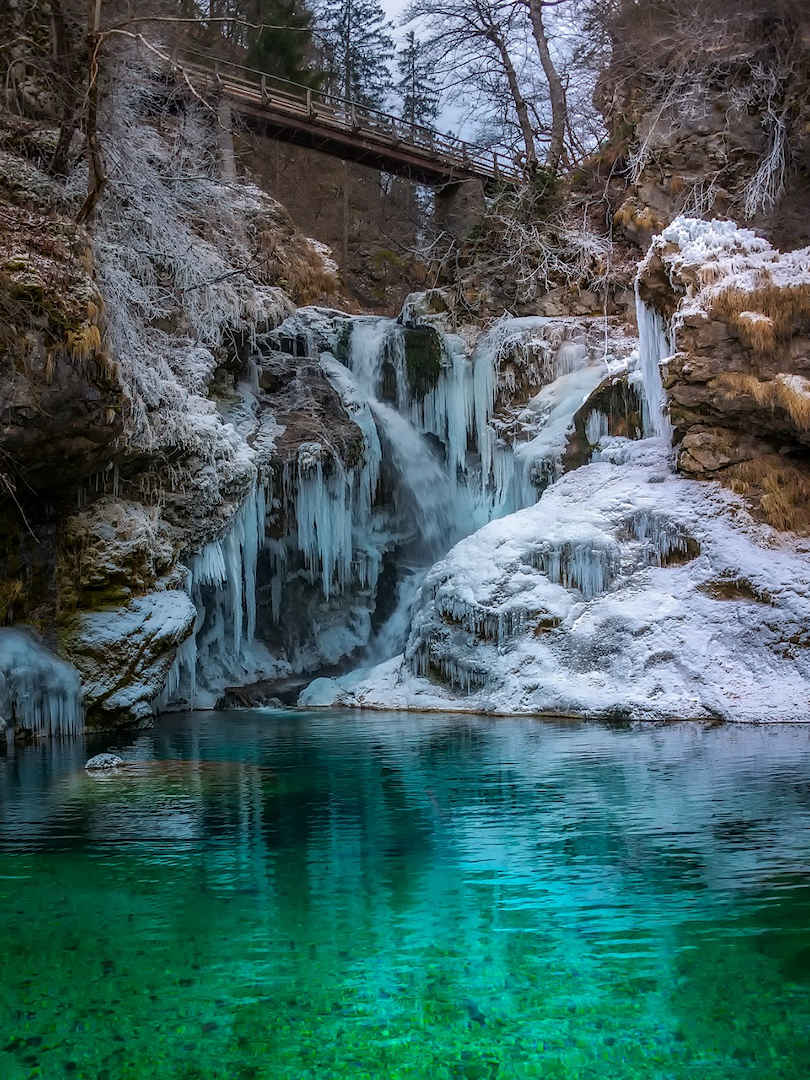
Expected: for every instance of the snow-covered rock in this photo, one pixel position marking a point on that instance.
(103, 761)
(626, 591)
(736, 363)
(124, 654)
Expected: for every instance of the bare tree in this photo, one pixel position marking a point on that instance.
(559, 109)
(467, 37)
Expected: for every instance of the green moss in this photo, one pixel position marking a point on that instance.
(343, 342)
(423, 359)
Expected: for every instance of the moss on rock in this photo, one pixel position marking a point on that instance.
(423, 359)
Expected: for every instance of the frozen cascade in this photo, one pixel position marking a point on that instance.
(461, 404)
(38, 691)
(222, 585)
(423, 483)
(392, 635)
(655, 343)
(596, 427)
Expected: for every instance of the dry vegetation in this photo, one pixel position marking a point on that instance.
(765, 317)
(779, 489)
(788, 393)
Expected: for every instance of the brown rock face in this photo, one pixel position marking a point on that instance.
(61, 397)
(709, 114)
(738, 386)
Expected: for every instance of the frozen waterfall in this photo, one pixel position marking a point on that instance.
(655, 344)
(38, 691)
(221, 582)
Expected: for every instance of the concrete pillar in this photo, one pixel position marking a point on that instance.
(459, 207)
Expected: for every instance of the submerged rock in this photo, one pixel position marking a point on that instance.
(104, 761)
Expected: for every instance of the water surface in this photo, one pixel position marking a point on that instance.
(330, 895)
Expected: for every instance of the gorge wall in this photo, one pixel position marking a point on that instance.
(216, 485)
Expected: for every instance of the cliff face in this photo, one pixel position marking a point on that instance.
(738, 384)
(133, 421)
(709, 115)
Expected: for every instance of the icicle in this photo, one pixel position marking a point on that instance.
(661, 537)
(222, 584)
(596, 427)
(478, 620)
(323, 513)
(38, 691)
(459, 676)
(278, 566)
(585, 565)
(655, 343)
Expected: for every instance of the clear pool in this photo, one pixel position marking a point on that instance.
(330, 895)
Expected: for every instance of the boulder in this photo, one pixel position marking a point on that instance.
(124, 655)
(103, 761)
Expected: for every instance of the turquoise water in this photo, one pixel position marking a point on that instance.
(377, 895)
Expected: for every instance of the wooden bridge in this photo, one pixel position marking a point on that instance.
(294, 113)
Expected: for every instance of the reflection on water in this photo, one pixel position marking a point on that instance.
(342, 895)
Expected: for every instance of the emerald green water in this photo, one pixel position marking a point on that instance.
(375, 895)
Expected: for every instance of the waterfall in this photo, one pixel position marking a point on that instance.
(655, 343)
(38, 691)
(432, 471)
(423, 486)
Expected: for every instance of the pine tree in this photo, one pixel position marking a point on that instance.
(358, 47)
(287, 53)
(416, 89)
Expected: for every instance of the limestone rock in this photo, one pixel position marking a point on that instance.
(124, 654)
(104, 761)
(116, 548)
(62, 394)
(738, 386)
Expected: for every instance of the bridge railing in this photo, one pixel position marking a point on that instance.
(335, 111)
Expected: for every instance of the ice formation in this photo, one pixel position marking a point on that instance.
(433, 468)
(655, 344)
(221, 582)
(38, 691)
(675, 603)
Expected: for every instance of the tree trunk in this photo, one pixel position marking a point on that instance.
(559, 109)
(58, 165)
(96, 176)
(521, 108)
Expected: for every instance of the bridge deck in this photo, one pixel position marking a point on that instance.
(294, 113)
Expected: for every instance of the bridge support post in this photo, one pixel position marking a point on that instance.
(459, 207)
(225, 140)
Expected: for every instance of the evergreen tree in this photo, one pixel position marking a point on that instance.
(358, 47)
(416, 89)
(287, 53)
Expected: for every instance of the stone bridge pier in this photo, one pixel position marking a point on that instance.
(459, 207)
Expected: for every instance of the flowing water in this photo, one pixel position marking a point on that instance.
(372, 895)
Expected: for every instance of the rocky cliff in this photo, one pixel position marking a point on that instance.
(738, 381)
(134, 423)
(708, 114)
